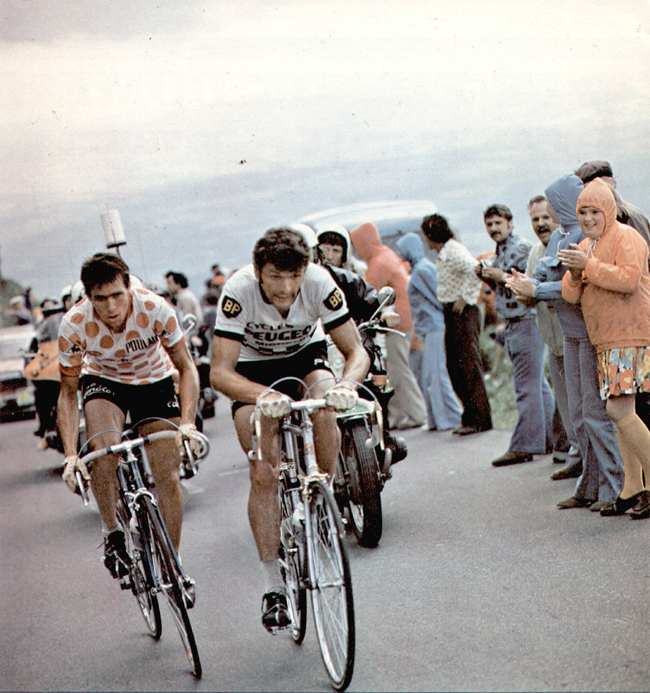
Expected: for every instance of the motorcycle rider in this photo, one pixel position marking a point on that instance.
(332, 250)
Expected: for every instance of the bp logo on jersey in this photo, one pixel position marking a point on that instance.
(334, 300)
(230, 307)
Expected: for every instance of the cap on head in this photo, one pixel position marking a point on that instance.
(594, 169)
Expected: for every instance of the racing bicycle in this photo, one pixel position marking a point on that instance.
(155, 569)
(313, 555)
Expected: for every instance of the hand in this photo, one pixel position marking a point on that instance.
(573, 257)
(341, 397)
(71, 465)
(390, 318)
(494, 274)
(521, 285)
(274, 404)
(458, 306)
(188, 432)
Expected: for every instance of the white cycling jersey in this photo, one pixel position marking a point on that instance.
(246, 315)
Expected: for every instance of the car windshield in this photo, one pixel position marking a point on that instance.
(12, 342)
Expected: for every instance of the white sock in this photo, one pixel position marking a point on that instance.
(272, 577)
(105, 529)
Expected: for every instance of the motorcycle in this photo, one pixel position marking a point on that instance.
(367, 447)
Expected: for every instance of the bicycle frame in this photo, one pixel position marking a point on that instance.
(322, 565)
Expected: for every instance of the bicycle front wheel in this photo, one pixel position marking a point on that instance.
(171, 585)
(331, 587)
(142, 583)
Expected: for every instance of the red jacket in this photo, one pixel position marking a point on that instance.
(384, 269)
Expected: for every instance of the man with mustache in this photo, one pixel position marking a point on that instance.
(544, 221)
(524, 345)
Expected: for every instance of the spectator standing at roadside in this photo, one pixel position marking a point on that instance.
(631, 215)
(524, 346)
(544, 222)
(626, 212)
(608, 275)
(182, 297)
(18, 313)
(443, 410)
(406, 408)
(602, 470)
(458, 291)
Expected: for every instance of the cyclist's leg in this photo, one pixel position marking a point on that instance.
(326, 433)
(263, 508)
(264, 514)
(165, 462)
(107, 419)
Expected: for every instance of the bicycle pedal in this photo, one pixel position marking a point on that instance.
(125, 582)
(276, 630)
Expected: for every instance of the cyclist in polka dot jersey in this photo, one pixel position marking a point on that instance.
(122, 344)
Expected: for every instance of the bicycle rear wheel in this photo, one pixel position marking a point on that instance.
(291, 553)
(171, 585)
(331, 587)
(142, 583)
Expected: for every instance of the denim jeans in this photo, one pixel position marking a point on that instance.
(533, 396)
(602, 468)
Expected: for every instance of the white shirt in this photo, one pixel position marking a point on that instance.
(456, 277)
(246, 315)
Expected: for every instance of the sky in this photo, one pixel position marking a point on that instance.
(205, 122)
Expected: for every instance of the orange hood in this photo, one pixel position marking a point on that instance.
(599, 195)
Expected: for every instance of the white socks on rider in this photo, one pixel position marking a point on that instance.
(106, 531)
(272, 577)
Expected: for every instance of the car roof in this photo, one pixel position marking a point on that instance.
(391, 217)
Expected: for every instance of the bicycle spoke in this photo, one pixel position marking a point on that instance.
(331, 589)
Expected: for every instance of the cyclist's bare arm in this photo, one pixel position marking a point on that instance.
(67, 417)
(188, 383)
(346, 337)
(223, 376)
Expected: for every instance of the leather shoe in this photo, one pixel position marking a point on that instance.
(641, 511)
(567, 472)
(465, 430)
(572, 502)
(512, 457)
(469, 430)
(620, 506)
(598, 506)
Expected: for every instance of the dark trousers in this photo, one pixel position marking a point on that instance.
(465, 366)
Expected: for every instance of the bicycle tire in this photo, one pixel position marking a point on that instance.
(331, 587)
(169, 585)
(142, 583)
(291, 551)
(364, 497)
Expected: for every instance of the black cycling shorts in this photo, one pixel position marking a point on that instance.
(141, 401)
(312, 358)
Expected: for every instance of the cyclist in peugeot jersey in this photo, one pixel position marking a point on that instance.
(269, 326)
(122, 344)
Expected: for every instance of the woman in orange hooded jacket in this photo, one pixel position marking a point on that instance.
(608, 275)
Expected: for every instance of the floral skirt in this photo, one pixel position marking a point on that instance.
(624, 371)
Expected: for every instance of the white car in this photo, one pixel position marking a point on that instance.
(16, 392)
(393, 218)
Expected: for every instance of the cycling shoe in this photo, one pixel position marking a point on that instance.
(116, 559)
(275, 612)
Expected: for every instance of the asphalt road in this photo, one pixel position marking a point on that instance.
(479, 583)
